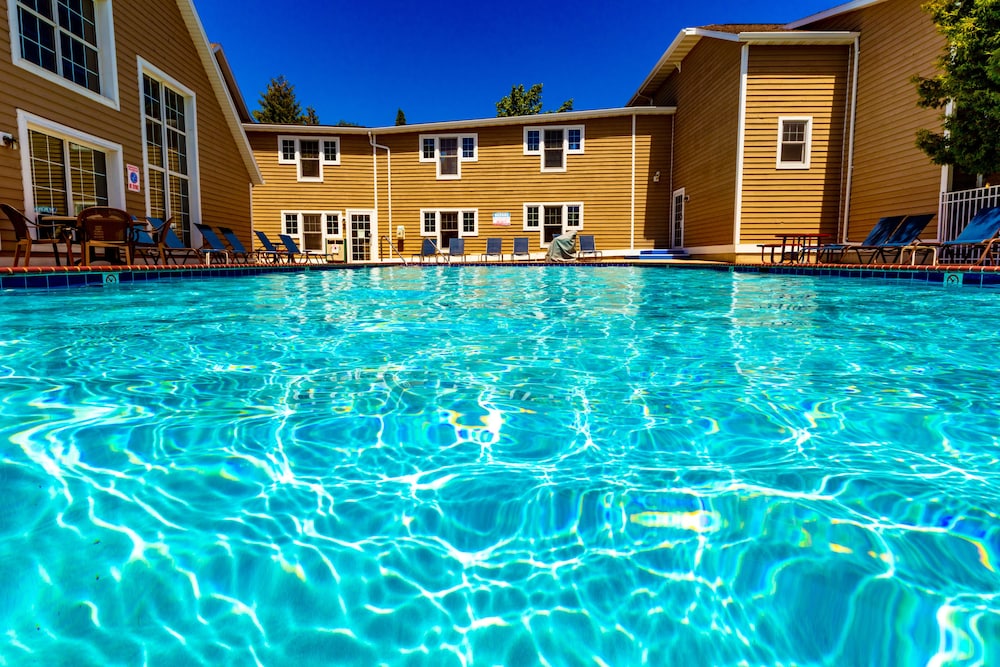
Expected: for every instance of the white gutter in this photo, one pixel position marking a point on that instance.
(632, 213)
(741, 139)
(850, 144)
(388, 163)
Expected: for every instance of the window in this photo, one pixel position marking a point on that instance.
(168, 115)
(313, 230)
(449, 152)
(69, 42)
(552, 220)
(794, 138)
(444, 225)
(553, 144)
(309, 155)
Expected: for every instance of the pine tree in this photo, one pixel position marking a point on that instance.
(969, 78)
(311, 118)
(523, 102)
(400, 117)
(278, 105)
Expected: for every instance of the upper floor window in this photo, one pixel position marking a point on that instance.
(794, 139)
(69, 42)
(309, 154)
(553, 144)
(449, 152)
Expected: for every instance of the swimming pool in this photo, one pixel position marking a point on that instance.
(503, 466)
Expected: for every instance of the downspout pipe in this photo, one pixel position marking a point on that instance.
(850, 142)
(388, 162)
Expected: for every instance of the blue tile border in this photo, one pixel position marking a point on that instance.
(65, 279)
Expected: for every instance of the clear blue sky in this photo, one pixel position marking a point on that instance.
(441, 60)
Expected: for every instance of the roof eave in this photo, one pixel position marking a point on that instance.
(834, 11)
(685, 41)
(561, 118)
(799, 37)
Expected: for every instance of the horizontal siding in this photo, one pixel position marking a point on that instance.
(891, 175)
(806, 81)
(502, 179)
(706, 91)
(154, 30)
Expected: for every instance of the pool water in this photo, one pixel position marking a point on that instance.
(506, 466)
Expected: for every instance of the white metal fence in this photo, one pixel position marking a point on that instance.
(957, 208)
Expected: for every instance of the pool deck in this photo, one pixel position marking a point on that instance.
(53, 277)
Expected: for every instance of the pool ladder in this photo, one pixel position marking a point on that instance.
(392, 249)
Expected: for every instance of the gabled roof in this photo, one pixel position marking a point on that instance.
(764, 33)
(218, 83)
(835, 11)
(231, 85)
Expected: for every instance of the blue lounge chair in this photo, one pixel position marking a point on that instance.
(215, 244)
(428, 249)
(236, 247)
(494, 248)
(879, 234)
(170, 246)
(294, 253)
(520, 248)
(977, 242)
(905, 237)
(587, 247)
(456, 248)
(268, 251)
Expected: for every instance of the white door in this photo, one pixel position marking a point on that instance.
(677, 220)
(362, 231)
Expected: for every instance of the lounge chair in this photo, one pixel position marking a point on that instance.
(22, 232)
(109, 229)
(456, 248)
(879, 234)
(215, 244)
(494, 248)
(428, 249)
(236, 247)
(294, 253)
(587, 247)
(520, 248)
(145, 245)
(905, 237)
(268, 251)
(982, 234)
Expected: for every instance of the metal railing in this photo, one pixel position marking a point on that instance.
(957, 208)
(392, 249)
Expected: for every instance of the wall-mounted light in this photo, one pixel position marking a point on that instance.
(656, 177)
(8, 141)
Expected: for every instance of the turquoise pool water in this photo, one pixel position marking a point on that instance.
(513, 466)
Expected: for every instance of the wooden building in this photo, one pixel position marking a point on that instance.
(361, 191)
(120, 104)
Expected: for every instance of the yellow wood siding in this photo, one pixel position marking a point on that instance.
(891, 175)
(798, 81)
(155, 31)
(706, 91)
(502, 179)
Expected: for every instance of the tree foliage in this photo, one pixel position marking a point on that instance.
(400, 117)
(970, 78)
(523, 102)
(278, 105)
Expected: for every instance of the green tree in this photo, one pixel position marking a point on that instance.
(278, 105)
(523, 102)
(969, 77)
(400, 117)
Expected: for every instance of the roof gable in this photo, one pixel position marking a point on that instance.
(834, 11)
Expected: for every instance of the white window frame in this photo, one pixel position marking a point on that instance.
(107, 58)
(191, 119)
(435, 233)
(460, 140)
(299, 235)
(541, 218)
(540, 151)
(806, 149)
(113, 153)
(323, 162)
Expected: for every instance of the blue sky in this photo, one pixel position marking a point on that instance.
(442, 60)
